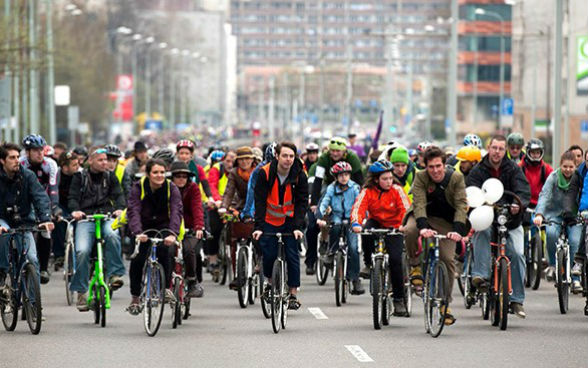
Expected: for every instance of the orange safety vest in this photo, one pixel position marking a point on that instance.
(276, 213)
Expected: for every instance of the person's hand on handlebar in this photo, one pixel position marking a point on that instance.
(78, 215)
(142, 238)
(49, 226)
(298, 234)
(169, 240)
(3, 229)
(514, 209)
(257, 234)
(356, 229)
(454, 236)
(427, 233)
(538, 220)
(321, 223)
(199, 234)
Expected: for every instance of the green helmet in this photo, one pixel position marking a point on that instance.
(338, 143)
(515, 139)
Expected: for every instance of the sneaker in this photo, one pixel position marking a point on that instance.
(45, 277)
(82, 303)
(518, 310)
(293, 302)
(135, 307)
(169, 297)
(399, 308)
(357, 287)
(480, 284)
(449, 318)
(577, 287)
(58, 264)
(195, 290)
(577, 269)
(550, 274)
(416, 276)
(115, 282)
(365, 272)
(310, 271)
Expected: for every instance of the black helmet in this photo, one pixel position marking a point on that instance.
(81, 151)
(112, 150)
(33, 141)
(165, 154)
(535, 144)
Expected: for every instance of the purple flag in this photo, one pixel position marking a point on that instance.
(378, 131)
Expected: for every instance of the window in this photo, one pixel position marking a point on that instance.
(468, 12)
(487, 73)
(485, 43)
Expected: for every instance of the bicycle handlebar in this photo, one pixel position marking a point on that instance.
(382, 232)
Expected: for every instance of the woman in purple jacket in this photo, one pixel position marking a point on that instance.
(154, 203)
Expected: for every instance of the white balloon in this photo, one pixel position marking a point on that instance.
(475, 196)
(481, 218)
(493, 190)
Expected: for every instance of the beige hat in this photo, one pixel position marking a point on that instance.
(244, 152)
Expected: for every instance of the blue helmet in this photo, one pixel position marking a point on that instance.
(216, 156)
(270, 152)
(33, 141)
(381, 166)
(472, 140)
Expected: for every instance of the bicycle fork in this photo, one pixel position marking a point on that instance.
(98, 279)
(563, 247)
(501, 255)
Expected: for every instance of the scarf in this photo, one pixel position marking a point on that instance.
(244, 174)
(562, 182)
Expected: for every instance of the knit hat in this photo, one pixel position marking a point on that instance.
(400, 154)
(244, 152)
(180, 167)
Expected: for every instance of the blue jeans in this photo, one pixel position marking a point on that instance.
(514, 251)
(552, 232)
(352, 251)
(84, 242)
(4, 247)
(269, 248)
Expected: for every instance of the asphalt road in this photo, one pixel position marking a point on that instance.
(221, 334)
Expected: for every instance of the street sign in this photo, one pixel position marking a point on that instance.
(62, 95)
(507, 107)
(584, 129)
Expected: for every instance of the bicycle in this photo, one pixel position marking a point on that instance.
(340, 266)
(226, 271)
(69, 259)
(380, 279)
(535, 237)
(470, 297)
(22, 288)
(435, 298)
(279, 292)
(246, 275)
(321, 268)
(181, 307)
(153, 290)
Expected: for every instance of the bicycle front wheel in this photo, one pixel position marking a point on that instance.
(153, 298)
(563, 288)
(466, 280)
(437, 301)
(266, 307)
(503, 294)
(222, 257)
(339, 279)
(102, 305)
(176, 308)
(536, 262)
(377, 289)
(322, 271)
(9, 310)
(68, 271)
(407, 285)
(276, 296)
(243, 282)
(32, 299)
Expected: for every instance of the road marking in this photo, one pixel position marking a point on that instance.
(317, 313)
(359, 354)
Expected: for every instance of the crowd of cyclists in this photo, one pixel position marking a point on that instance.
(315, 193)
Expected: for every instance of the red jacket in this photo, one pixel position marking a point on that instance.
(193, 211)
(536, 176)
(385, 207)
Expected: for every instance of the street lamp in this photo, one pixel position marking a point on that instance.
(162, 47)
(172, 94)
(480, 11)
(149, 41)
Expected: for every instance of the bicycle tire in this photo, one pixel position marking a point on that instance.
(32, 299)
(407, 285)
(68, 271)
(377, 291)
(285, 297)
(504, 295)
(484, 306)
(153, 298)
(438, 301)
(276, 297)
(243, 290)
(466, 279)
(222, 257)
(253, 288)
(536, 261)
(176, 307)
(265, 307)
(322, 271)
(338, 278)
(387, 307)
(9, 311)
(493, 300)
(95, 306)
(102, 305)
(563, 288)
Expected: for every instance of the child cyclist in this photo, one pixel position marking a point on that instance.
(386, 204)
(340, 196)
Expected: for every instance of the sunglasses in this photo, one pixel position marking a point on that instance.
(100, 151)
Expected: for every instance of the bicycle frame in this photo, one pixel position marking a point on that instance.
(98, 278)
(499, 253)
(17, 262)
(178, 271)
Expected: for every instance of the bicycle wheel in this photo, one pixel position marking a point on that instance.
(102, 306)
(322, 271)
(68, 271)
(153, 298)
(377, 289)
(437, 300)
(466, 279)
(407, 285)
(285, 297)
(484, 306)
(536, 262)
(563, 288)
(222, 257)
(95, 306)
(243, 290)
(253, 288)
(276, 296)
(176, 307)
(338, 278)
(32, 299)
(503, 294)
(9, 309)
(266, 307)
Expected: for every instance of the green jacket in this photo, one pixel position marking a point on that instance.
(321, 172)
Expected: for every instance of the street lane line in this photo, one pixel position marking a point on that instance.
(317, 313)
(358, 353)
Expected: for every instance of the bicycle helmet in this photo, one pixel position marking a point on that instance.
(533, 145)
(270, 152)
(113, 150)
(217, 156)
(340, 168)
(81, 151)
(185, 143)
(312, 147)
(469, 153)
(258, 154)
(381, 166)
(515, 139)
(165, 154)
(423, 146)
(33, 141)
(472, 140)
(338, 143)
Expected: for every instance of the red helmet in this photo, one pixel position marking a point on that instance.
(340, 167)
(185, 143)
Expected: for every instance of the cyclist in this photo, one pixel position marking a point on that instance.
(20, 192)
(185, 153)
(340, 196)
(113, 164)
(404, 169)
(535, 169)
(550, 207)
(249, 208)
(213, 158)
(235, 197)
(46, 170)
(439, 206)
(578, 154)
(467, 157)
(385, 204)
(194, 221)
(469, 140)
(82, 153)
(421, 148)
(140, 157)
(281, 202)
(95, 190)
(496, 165)
(58, 149)
(154, 203)
(312, 154)
(515, 143)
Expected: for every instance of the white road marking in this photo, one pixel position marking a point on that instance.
(358, 353)
(317, 313)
